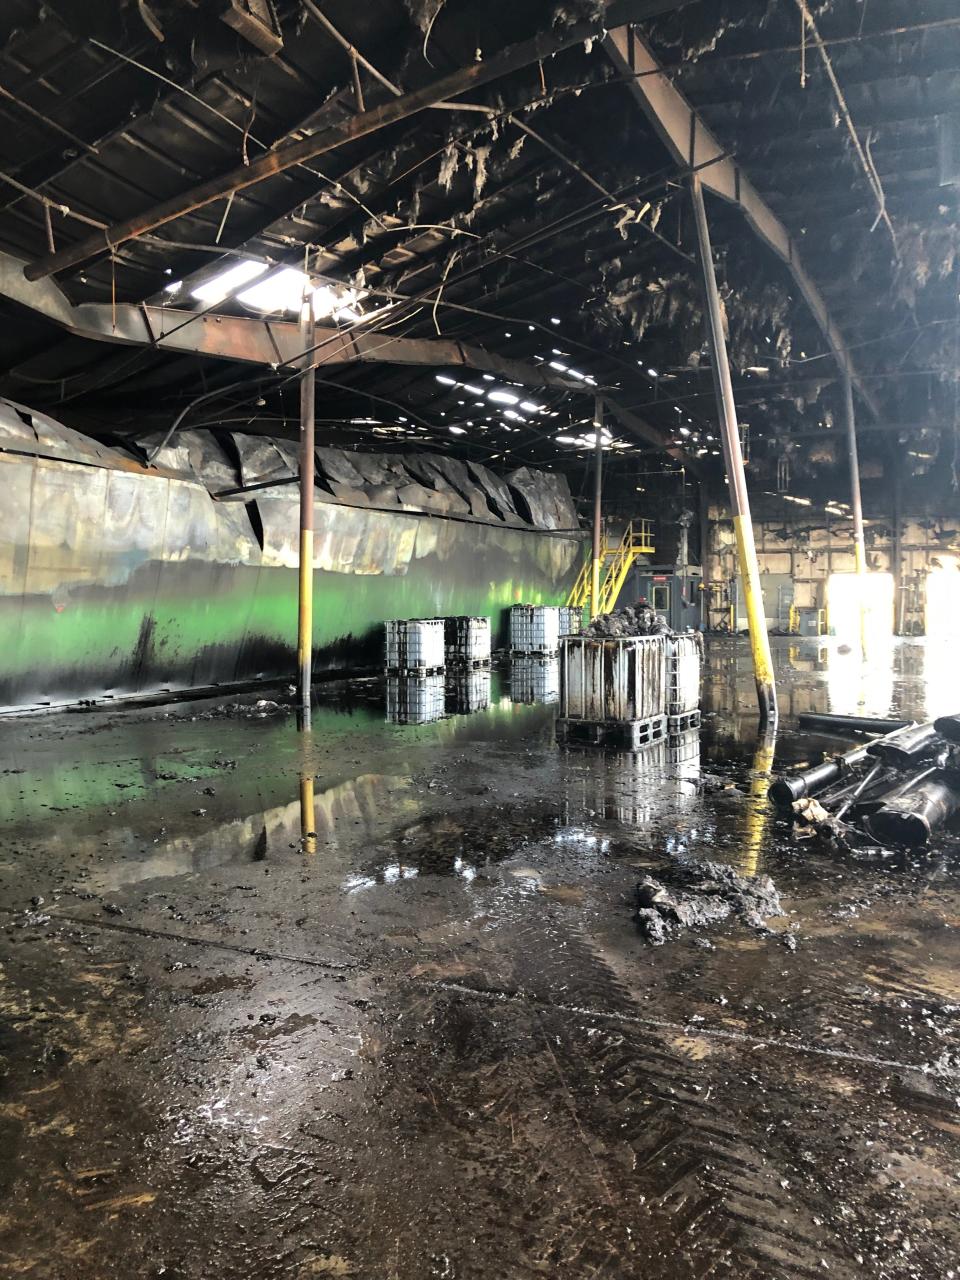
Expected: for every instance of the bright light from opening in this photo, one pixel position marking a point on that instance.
(943, 599)
(503, 397)
(219, 286)
(449, 382)
(457, 431)
(283, 290)
(531, 407)
(846, 592)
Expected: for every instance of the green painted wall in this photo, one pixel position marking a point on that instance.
(113, 583)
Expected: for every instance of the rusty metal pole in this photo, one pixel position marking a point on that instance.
(736, 478)
(307, 468)
(597, 560)
(856, 506)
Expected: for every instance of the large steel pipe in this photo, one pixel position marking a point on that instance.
(811, 781)
(911, 819)
(848, 724)
(948, 727)
(906, 746)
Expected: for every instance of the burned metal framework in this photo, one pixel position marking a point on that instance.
(483, 221)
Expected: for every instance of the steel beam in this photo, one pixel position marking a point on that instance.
(596, 562)
(856, 504)
(695, 147)
(249, 340)
(307, 469)
(272, 344)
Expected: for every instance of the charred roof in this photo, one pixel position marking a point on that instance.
(537, 215)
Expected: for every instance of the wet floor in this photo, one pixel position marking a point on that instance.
(370, 1002)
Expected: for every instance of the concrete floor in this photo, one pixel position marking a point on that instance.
(436, 1046)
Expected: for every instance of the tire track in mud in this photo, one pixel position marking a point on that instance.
(729, 1200)
(720, 1195)
(651, 1168)
(715, 1197)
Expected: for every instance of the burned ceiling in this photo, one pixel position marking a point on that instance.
(535, 214)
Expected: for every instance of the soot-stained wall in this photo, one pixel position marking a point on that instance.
(117, 579)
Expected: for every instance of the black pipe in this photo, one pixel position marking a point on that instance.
(786, 790)
(879, 798)
(858, 789)
(911, 819)
(948, 727)
(906, 746)
(848, 724)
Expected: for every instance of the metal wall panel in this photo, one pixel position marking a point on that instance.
(115, 582)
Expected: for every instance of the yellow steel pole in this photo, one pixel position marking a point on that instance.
(308, 821)
(307, 468)
(736, 478)
(757, 812)
(597, 507)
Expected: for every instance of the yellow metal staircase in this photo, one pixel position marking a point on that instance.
(616, 562)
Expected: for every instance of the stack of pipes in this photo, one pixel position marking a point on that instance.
(897, 790)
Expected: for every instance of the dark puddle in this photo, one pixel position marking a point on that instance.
(388, 983)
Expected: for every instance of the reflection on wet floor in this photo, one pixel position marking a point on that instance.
(415, 699)
(375, 977)
(424, 699)
(535, 680)
(910, 677)
(242, 803)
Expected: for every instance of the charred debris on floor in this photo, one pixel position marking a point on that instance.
(898, 791)
(703, 893)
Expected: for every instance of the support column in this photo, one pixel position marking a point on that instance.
(307, 468)
(897, 565)
(736, 479)
(703, 508)
(597, 562)
(856, 506)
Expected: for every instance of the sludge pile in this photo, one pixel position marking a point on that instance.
(703, 892)
(633, 620)
(896, 791)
